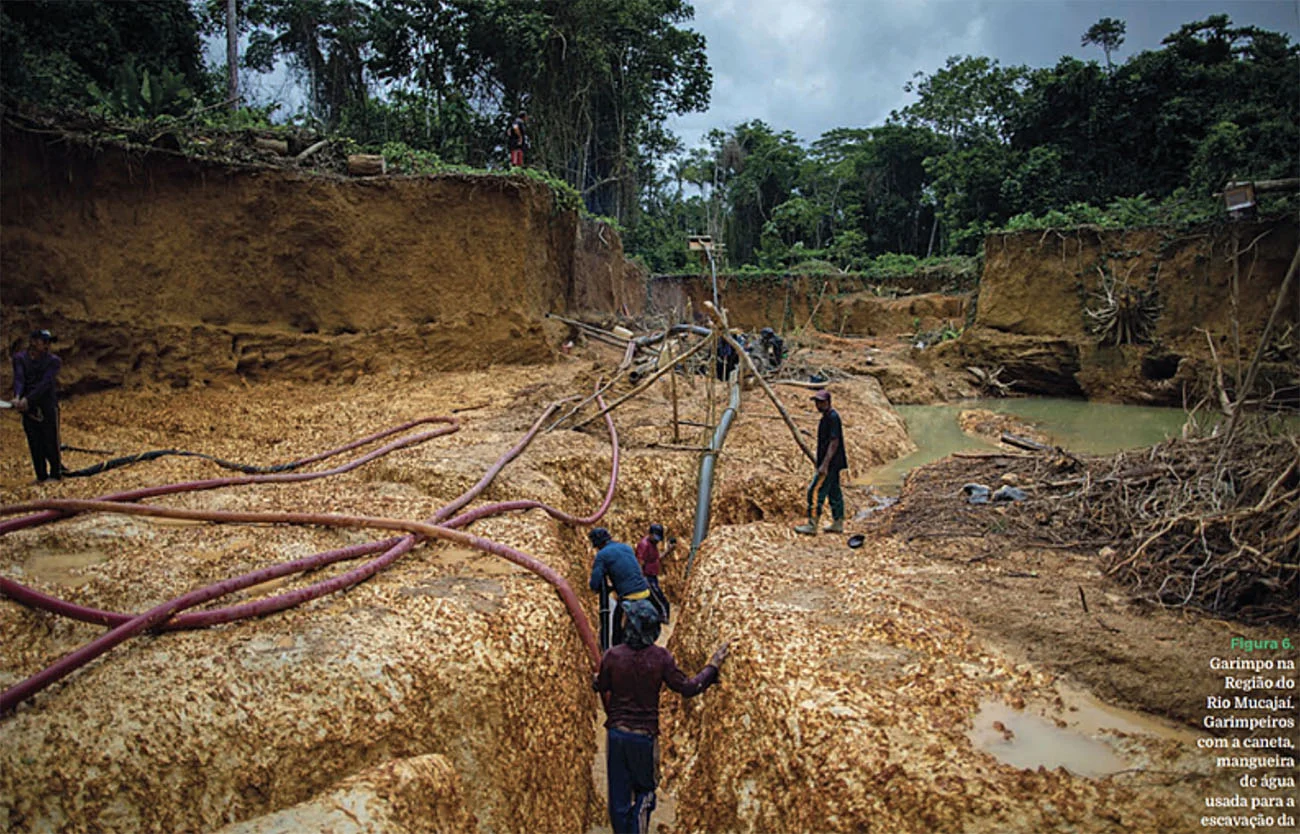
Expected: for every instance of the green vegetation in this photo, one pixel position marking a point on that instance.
(434, 85)
(987, 147)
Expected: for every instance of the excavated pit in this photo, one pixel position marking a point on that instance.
(451, 692)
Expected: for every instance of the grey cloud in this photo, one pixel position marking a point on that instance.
(812, 65)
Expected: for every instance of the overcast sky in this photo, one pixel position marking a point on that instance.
(811, 65)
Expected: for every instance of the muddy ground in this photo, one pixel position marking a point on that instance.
(451, 691)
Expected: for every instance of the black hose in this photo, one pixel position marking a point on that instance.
(127, 460)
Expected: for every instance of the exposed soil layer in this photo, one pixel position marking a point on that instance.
(1036, 287)
(155, 269)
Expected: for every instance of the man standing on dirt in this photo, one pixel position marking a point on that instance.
(615, 569)
(36, 383)
(633, 674)
(831, 461)
(517, 140)
(647, 554)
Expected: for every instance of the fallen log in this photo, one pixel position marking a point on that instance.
(366, 165)
(1024, 443)
(279, 147)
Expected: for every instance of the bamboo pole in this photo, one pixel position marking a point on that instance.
(676, 427)
(599, 391)
(767, 389)
(644, 385)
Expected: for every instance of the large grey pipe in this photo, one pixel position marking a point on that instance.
(704, 500)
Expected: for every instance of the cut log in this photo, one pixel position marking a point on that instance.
(366, 165)
(279, 147)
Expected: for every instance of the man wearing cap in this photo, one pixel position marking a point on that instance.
(647, 554)
(831, 461)
(615, 566)
(633, 674)
(36, 382)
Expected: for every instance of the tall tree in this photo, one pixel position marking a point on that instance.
(232, 55)
(1108, 33)
(327, 41)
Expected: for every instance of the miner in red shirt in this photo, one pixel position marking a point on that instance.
(633, 673)
(647, 554)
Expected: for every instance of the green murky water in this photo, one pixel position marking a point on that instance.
(1077, 425)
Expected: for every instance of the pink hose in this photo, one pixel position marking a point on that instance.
(165, 615)
(285, 477)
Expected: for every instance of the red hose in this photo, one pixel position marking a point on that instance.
(164, 616)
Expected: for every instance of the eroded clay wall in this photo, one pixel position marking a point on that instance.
(827, 303)
(1037, 286)
(153, 268)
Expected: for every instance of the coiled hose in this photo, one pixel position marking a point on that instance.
(168, 615)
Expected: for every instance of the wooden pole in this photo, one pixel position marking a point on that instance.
(767, 389)
(1259, 354)
(676, 428)
(1236, 317)
(644, 385)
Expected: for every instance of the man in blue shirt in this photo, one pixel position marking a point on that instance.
(615, 568)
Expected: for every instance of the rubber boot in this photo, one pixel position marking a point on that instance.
(809, 529)
(836, 526)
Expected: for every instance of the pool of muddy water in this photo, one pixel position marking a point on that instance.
(1077, 425)
(1080, 734)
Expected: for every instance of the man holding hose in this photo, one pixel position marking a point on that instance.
(831, 461)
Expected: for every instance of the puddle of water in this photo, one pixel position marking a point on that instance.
(1028, 741)
(470, 562)
(62, 568)
(1078, 425)
(1088, 715)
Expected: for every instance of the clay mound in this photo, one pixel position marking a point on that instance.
(855, 705)
(421, 795)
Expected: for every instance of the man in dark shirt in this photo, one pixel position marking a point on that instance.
(517, 140)
(831, 461)
(633, 674)
(615, 566)
(36, 382)
(647, 554)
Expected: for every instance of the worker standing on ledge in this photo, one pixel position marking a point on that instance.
(517, 140)
(615, 569)
(36, 396)
(633, 674)
(831, 461)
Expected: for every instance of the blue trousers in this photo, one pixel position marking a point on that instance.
(631, 768)
(830, 490)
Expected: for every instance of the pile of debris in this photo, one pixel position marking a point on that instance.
(1185, 523)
